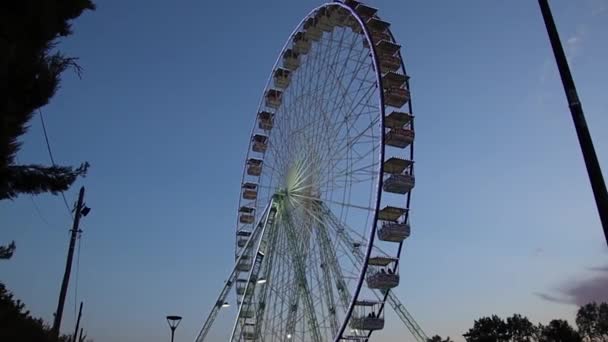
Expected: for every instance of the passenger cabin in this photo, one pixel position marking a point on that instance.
(249, 331)
(367, 316)
(301, 43)
(396, 165)
(377, 25)
(397, 119)
(250, 191)
(282, 77)
(291, 60)
(241, 287)
(376, 37)
(393, 80)
(399, 137)
(396, 97)
(324, 21)
(389, 63)
(390, 213)
(387, 48)
(393, 231)
(246, 215)
(265, 120)
(399, 184)
(313, 32)
(246, 313)
(274, 98)
(383, 274)
(259, 143)
(242, 236)
(365, 12)
(339, 16)
(244, 264)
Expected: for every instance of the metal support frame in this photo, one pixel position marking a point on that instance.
(392, 299)
(231, 279)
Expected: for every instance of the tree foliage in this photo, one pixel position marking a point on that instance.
(16, 323)
(592, 322)
(558, 330)
(6, 252)
(30, 70)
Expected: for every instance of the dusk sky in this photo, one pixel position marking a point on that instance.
(503, 217)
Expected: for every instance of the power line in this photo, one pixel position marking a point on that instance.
(48, 147)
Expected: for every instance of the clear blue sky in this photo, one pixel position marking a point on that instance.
(502, 209)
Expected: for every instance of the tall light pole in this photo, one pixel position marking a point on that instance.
(173, 323)
(580, 124)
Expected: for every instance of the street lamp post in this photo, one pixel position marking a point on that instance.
(576, 109)
(173, 323)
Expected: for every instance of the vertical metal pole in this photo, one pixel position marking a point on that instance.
(68, 267)
(582, 131)
(172, 333)
(75, 338)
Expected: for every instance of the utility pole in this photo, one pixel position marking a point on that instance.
(68, 266)
(75, 337)
(576, 109)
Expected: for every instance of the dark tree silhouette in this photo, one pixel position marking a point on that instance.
(30, 70)
(6, 252)
(16, 324)
(558, 330)
(488, 329)
(592, 322)
(520, 329)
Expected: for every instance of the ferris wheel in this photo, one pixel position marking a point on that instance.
(326, 188)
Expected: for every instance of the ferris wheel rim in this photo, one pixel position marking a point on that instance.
(381, 153)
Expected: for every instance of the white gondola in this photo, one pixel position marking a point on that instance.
(381, 276)
(387, 48)
(396, 165)
(250, 191)
(376, 37)
(241, 287)
(399, 184)
(377, 25)
(246, 313)
(246, 215)
(396, 97)
(313, 32)
(397, 119)
(242, 237)
(282, 77)
(274, 98)
(259, 143)
(301, 43)
(393, 80)
(365, 12)
(244, 264)
(323, 17)
(339, 16)
(265, 120)
(389, 63)
(390, 213)
(241, 241)
(249, 331)
(394, 232)
(399, 137)
(365, 317)
(254, 167)
(291, 60)
(383, 281)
